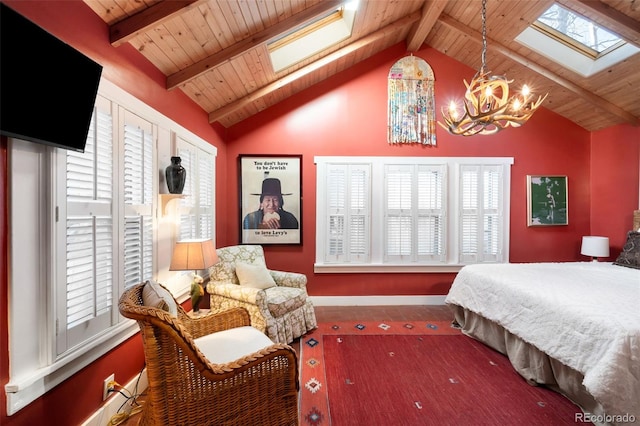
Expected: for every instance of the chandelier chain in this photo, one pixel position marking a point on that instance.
(484, 36)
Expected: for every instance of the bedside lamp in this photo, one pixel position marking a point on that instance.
(595, 247)
(194, 255)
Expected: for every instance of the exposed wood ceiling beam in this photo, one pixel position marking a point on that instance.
(123, 31)
(290, 78)
(185, 75)
(585, 94)
(625, 26)
(430, 13)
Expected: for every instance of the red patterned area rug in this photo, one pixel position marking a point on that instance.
(413, 373)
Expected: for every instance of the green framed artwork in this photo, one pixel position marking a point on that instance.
(547, 200)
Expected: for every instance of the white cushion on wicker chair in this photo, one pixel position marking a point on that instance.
(232, 344)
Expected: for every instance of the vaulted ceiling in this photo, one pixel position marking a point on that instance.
(215, 50)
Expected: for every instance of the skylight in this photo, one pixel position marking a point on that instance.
(562, 23)
(312, 38)
(575, 42)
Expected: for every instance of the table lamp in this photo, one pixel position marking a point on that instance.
(595, 247)
(194, 255)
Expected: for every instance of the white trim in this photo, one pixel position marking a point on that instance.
(570, 58)
(411, 160)
(24, 390)
(102, 416)
(322, 268)
(377, 300)
(136, 106)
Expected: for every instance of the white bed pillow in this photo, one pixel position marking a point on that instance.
(255, 276)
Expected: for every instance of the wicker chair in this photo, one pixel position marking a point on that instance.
(187, 388)
(283, 312)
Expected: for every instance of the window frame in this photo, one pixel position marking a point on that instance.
(451, 207)
(34, 369)
(566, 52)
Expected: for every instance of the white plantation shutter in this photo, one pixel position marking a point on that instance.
(348, 213)
(414, 214)
(481, 213)
(427, 214)
(196, 208)
(205, 194)
(138, 200)
(431, 229)
(492, 213)
(188, 215)
(399, 212)
(469, 211)
(336, 195)
(359, 213)
(85, 232)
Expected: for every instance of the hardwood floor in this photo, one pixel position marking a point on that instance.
(364, 313)
(383, 313)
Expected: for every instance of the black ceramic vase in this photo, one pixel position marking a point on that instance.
(176, 176)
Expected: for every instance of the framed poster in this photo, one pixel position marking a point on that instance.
(270, 199)
(547, 202)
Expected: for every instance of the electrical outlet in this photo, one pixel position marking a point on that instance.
(108, 386)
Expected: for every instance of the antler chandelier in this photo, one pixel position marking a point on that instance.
(487, 105)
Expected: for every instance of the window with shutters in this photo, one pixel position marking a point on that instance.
(414, 212)
(85, 232)
(196, 208)
(394, 214)
(84, 226)
(347, 214)
(137, 161)
(481, 214)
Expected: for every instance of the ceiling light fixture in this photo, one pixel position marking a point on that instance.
(487, 105)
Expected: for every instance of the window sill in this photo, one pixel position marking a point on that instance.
(324, 268)
(23, 390)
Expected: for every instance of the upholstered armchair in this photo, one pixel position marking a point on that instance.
(211, 369)
(277, 301)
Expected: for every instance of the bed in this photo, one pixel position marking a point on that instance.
(574, 327)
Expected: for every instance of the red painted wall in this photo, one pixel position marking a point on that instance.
(615, 165)
(346, 115)
(74, 22)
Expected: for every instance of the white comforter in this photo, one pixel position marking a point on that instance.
(584, 314)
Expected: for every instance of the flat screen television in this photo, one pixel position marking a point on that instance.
(47, 88)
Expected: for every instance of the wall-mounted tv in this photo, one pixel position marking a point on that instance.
(47, 88)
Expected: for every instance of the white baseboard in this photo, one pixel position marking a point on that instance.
(377, 300)
(110, 407)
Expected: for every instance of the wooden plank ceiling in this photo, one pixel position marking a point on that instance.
(215, 50)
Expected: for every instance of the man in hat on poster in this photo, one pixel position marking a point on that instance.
(270, 215)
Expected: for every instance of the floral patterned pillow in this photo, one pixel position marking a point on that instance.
(630, 255)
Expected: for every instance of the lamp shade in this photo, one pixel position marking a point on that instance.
(193, 255)
(595, 246)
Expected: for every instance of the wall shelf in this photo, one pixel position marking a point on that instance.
(166, 198)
